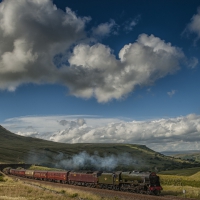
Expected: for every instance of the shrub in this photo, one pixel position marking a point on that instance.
(73, 195)
(1, 177)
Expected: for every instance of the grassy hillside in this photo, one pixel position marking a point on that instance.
(15, 149)
(182, 172)
(191, 156)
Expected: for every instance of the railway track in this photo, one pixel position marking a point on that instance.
(100, 192)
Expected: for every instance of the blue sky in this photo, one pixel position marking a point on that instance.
(95, 66)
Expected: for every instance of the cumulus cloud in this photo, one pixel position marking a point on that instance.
(46, 126)
(32, 32)
(180, 133)
(98, 73)
(80, 122)
(38, 39)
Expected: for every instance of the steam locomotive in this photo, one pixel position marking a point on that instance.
(138, 182)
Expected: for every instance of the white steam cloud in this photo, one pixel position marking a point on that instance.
(85, 161)
(43, 44)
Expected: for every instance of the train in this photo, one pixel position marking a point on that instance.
(134, 181)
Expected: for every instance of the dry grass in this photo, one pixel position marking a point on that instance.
(18, 190)
(174, 185)
(193, 180)
(190, 192)
(35, 167)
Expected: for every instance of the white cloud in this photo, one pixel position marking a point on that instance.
(103, 76)
(194, 25)
(171, 93)
(32, 32)
(130, 24)
(36, 35)
(46, 126)
(193, 62)
(180, 133)
(104, 29)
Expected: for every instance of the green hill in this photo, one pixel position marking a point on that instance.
(15, 149)
(189, 156)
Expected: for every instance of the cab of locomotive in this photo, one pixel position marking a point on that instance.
(154, 186)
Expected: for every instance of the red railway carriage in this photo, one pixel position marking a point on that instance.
(12, 171)
(17, 172)
(21, 172)
(58, 176)
(88, 179)
(40, 175)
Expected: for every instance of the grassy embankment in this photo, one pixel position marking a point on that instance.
(16, 190)
(176, 181)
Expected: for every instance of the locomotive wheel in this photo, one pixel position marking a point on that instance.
(141, 192)
(156, 192)
(112, 187)
(149, 192)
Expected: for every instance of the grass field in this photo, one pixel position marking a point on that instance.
(16, 190)
(184, 177)
(181, 172)
(190, 192)
(174, 182)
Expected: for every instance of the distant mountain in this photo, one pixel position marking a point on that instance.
(84, 156)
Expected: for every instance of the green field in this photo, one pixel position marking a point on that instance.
(181, 172)
(174, 182)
